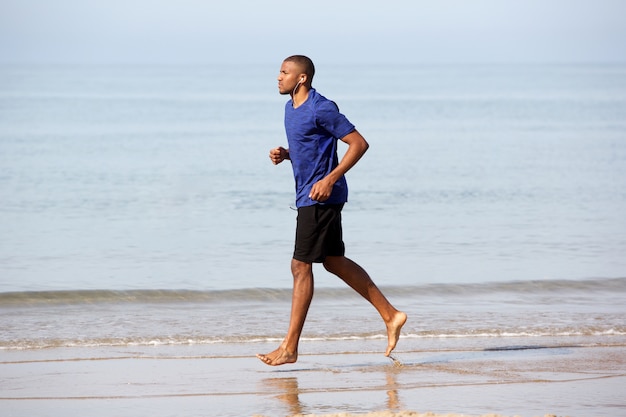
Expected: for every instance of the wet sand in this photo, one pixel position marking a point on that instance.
(402, 414)
(193, 381)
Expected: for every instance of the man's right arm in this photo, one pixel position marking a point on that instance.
(278, 155)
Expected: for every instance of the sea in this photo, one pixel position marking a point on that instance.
(139, 208)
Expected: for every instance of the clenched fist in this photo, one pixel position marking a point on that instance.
(278, 155)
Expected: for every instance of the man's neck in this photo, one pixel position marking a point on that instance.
(300, 96)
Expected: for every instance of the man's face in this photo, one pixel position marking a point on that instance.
(288, 77)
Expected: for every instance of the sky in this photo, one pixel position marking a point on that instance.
(208, 31)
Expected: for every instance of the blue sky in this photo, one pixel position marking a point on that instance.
(205, 31)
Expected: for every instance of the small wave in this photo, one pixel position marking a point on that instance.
(129, 342)
(138, 296)
(192, 341)
(615, 286)
(532, 287)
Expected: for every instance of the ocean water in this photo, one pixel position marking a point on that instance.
(443, 317)
(138, 207)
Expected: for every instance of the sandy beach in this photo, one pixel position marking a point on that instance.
(402, 414)
(174, 381)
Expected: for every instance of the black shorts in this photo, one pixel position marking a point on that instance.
(318, 233)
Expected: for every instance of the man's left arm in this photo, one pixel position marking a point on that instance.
(357, 146)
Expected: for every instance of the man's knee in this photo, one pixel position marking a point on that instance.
(300, 267)
(333, 264)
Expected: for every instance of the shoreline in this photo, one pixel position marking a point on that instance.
(565, 381)
(405, 413)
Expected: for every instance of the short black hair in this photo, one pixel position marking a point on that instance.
(304, 62)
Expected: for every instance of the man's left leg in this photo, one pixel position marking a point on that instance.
(359, 280)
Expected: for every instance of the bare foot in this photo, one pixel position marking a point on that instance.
(278, 357)
(393, 331)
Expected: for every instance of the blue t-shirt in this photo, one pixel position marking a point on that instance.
(312, 133)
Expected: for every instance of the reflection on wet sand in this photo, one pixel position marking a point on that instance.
(393, 401)
(288, 392)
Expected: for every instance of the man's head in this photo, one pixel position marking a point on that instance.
(305, 65)
(296, 70)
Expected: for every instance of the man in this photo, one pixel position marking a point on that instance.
(314, 125)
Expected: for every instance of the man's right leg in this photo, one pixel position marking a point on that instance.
(301, 298)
